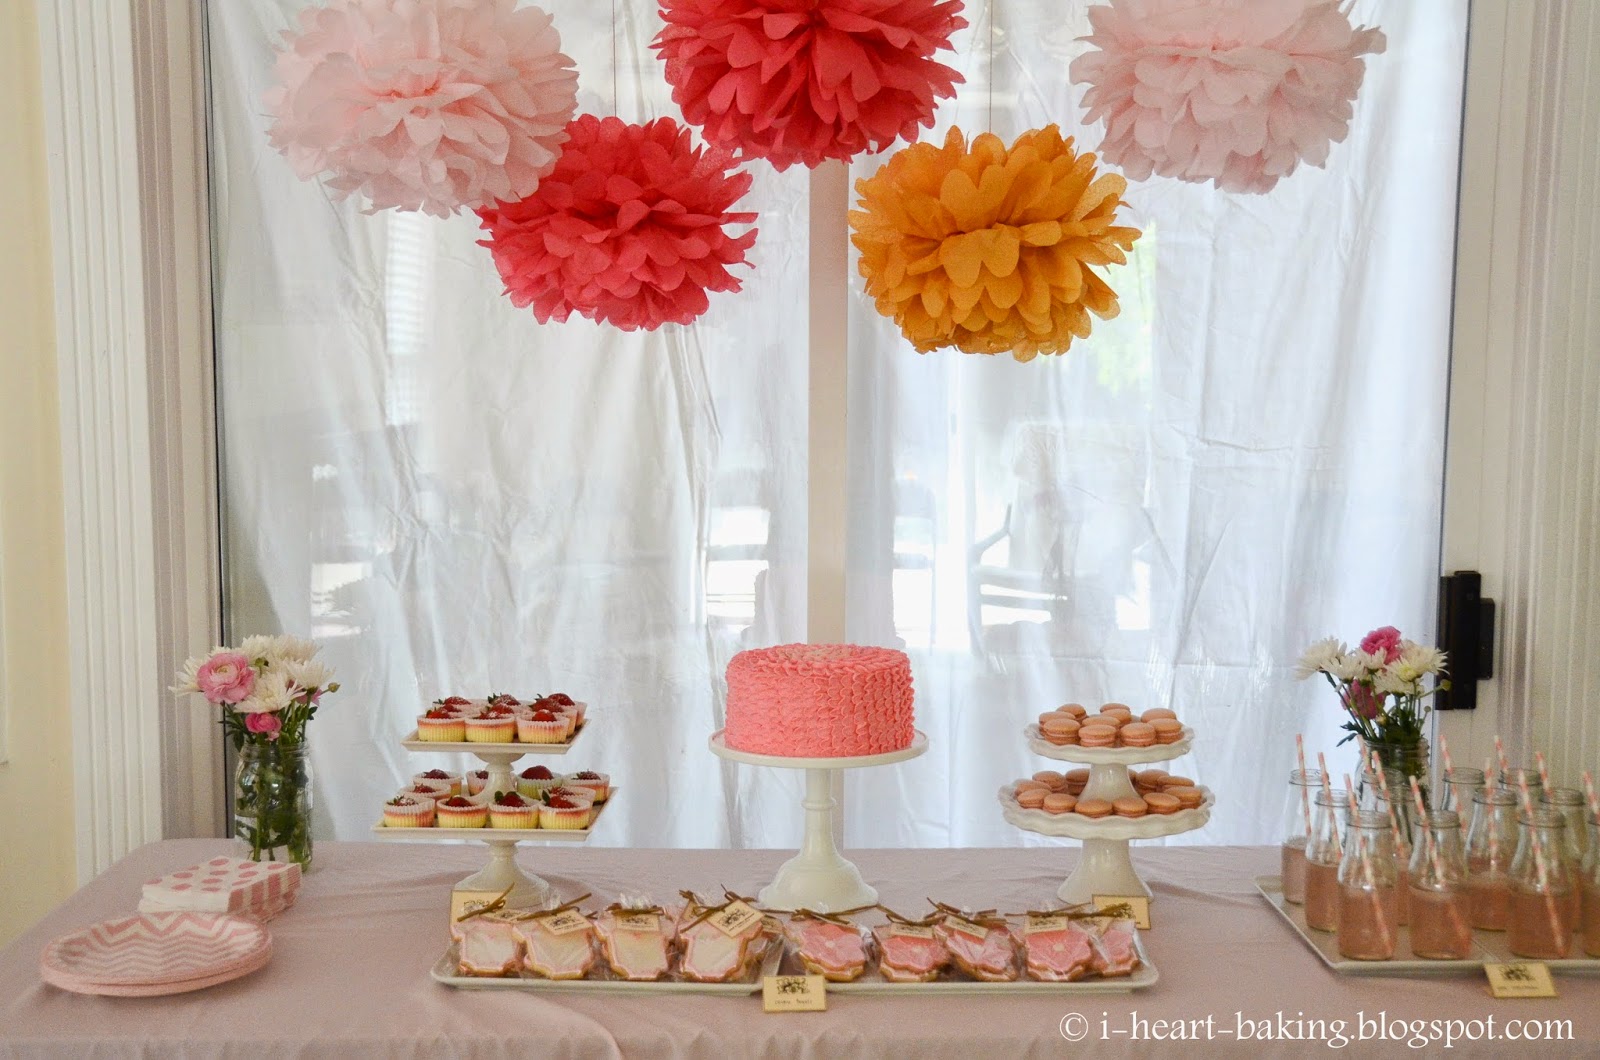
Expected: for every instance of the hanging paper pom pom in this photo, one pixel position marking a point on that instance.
(807, 80)
(428, 105)
(628, 230)
(989, 250)
(1237, 92)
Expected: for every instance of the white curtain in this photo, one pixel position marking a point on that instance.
(454, 499)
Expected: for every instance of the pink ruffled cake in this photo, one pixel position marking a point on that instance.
(819, 701)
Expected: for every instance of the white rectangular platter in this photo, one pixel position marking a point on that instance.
(1488, 947)
(499, 835)
(444, 971)
(412, 743)
(871, 982)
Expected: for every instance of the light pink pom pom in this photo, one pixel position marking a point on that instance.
(1237, 92)
(429, 105)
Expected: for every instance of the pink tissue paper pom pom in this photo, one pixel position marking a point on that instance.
(226, 677)
(628, 230)
(1237, 92)
(428, 105)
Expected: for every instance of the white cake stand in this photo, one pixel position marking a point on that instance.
(818, 877)
(1105, 867)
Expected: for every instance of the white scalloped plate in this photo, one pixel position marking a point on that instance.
(1094, 756)
(1077, 826)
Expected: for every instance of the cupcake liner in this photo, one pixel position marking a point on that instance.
(530, 731)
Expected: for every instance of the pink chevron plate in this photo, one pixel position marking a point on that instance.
(179, 951)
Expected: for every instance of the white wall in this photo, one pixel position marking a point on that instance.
(37, 863)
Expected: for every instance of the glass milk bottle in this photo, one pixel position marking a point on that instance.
(1537, 926)
(1511, 778)
(1460, 785)
(1395, 815)
(1591, 891)
(1491, 841)
(1322, 863)
(1569, 803)
(1439, 926)
(1298, 824)
(1368, 926)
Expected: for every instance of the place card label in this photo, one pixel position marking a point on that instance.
(735, 919)
(1521, 979)
(1140, 904)
(1037, 923)
(648, 923)
(464, 902)
(967, 927)
(911, 931)
(794, 993)
(564, 923)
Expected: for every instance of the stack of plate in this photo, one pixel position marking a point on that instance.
(156, 953)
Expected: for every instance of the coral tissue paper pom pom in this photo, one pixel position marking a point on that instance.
(808, 80)
(628, 230)
(428, 105)
(1237, 92)
(989, 250)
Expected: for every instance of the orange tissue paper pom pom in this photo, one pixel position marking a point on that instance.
(991, 250)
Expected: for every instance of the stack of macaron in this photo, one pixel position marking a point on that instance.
(1113, 726)
(502, 718)
(1155, 791)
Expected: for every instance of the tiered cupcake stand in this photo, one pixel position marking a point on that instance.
(502, 871)
(818, 878)
(1105, 868)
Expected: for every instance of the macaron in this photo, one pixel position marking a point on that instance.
(1130, 806)
(1076, 711)
(1051, 778)
(1079, 775)
(1031, 785)
(1138, 734)
(1149, 778)
(1033, 798)
(1060, 730)
(1094, 807)
(1160, 802)
(1097, 735)
(1059, 802)
(1188, 798)
(1168, 730)
(1107, 708)
(1047, 716)
(1157, 713)
(1175, 781)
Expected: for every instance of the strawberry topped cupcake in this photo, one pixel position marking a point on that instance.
(458, 811)
(510, 810)
(542, 726)
(442, 725)
(577, 795)
(598, 784)
(405, 811)
(497, 724)
(440, 781)
(536, 780)
(425, 790)
(477, 780)
(569, 812)
(568, 704)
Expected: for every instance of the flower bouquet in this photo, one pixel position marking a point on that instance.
(269, 687)
(1384, 688)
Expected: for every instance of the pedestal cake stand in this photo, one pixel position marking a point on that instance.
(818, 877)
(502, 871)
(1105, 867)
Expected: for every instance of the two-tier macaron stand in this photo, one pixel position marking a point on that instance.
(1105, 867)
(818, 878)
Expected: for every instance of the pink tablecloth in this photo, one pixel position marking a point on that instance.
(349, 977)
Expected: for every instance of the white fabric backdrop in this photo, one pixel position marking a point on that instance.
(452, 498)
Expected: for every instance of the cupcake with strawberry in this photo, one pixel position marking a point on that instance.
(536, 780)
(459, 811)
(406, 811)
(477, 780)
(497, 724)
(597, 784)
(440, 781)
(566, 812)
(542, 726)
(571, 706)
(510, 810)
(442, 725)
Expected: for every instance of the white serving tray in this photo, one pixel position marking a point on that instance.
(495, 835)
(1488, 947)
(412, 743)
(1077, 826)
(445, 971)
(1090, 756)
(952, 982)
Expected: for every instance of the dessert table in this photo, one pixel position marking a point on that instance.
(349, 972)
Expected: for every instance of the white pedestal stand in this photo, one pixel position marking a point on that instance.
(1105, 867)
(818, 877)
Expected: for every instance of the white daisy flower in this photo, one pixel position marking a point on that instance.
(1319, 658)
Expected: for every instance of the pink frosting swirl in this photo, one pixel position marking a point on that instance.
(819, 701)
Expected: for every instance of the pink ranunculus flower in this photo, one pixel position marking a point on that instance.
(266, 723)
(1364, 701)
(226, 677)
(1384, 641)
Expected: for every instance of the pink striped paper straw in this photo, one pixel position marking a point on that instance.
(1544, 772)
(1327, 788)
(1444, 751)
(1494, 818)
(1433, 853)
(1388, 802)
(1366, 860)
(1500, 753)
(1588, 789)
(1539, 864)
(1305, 796)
